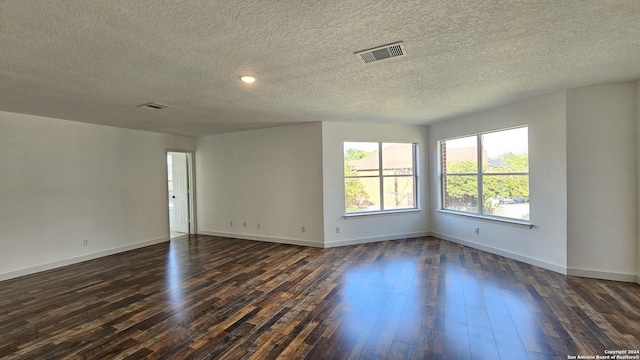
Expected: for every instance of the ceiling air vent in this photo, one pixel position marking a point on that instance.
(152, 106)
(382, 52)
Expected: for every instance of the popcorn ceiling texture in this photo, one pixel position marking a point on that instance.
(94, 61)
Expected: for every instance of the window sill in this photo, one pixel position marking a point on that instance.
(500, 220)
(378, 213)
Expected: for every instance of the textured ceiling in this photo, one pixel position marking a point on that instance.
(95, 60)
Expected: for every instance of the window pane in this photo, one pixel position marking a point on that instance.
(506, 151)
(399, 192)
(461, 193)
(397, 159)
(364, 177)
(460, 156)
(361, 159)
(361, 194)
(506, 195)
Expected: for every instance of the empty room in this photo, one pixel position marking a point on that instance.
(319, 179)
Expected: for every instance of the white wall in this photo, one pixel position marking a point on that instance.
(270, 176)
(63, 182)
(373, 227)
(601, 173)
(545, 244)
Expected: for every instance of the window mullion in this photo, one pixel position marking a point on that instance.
(380, 173)
(480, 171)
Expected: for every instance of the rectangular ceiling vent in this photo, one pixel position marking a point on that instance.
(382, 52)
(152, 106)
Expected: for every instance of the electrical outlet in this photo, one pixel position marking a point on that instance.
(477, 231)
(85, 242)
(244, 224)
(231, 223)
(303, 229)
(258, 226)
(337, 229)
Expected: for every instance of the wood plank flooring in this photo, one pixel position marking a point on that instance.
(204, 297)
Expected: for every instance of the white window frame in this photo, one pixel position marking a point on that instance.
(381, 176)
(479, 176)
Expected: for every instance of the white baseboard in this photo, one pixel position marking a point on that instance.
(373, 239)
(75, 260)
(262, 238)
(525, 259)
(604, 275)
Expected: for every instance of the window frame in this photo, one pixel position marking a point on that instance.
(479, 175)
(381, 176)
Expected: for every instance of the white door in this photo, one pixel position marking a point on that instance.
(179, 215)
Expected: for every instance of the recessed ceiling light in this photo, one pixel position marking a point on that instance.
(248, 79)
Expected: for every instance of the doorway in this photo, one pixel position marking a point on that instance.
(180, 193)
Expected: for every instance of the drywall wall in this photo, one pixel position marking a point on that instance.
(63, 182)
(601, 176)
(545, 244)
(369, 228)
(271, 177)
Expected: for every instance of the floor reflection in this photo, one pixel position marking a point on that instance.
(380, 302)
(447, 305)
(174, 275)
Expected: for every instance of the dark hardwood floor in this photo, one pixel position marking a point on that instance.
(217, 298)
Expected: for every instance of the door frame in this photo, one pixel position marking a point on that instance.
(191, 174)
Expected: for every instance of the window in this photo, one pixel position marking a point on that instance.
(487, 174)
(379, 176)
